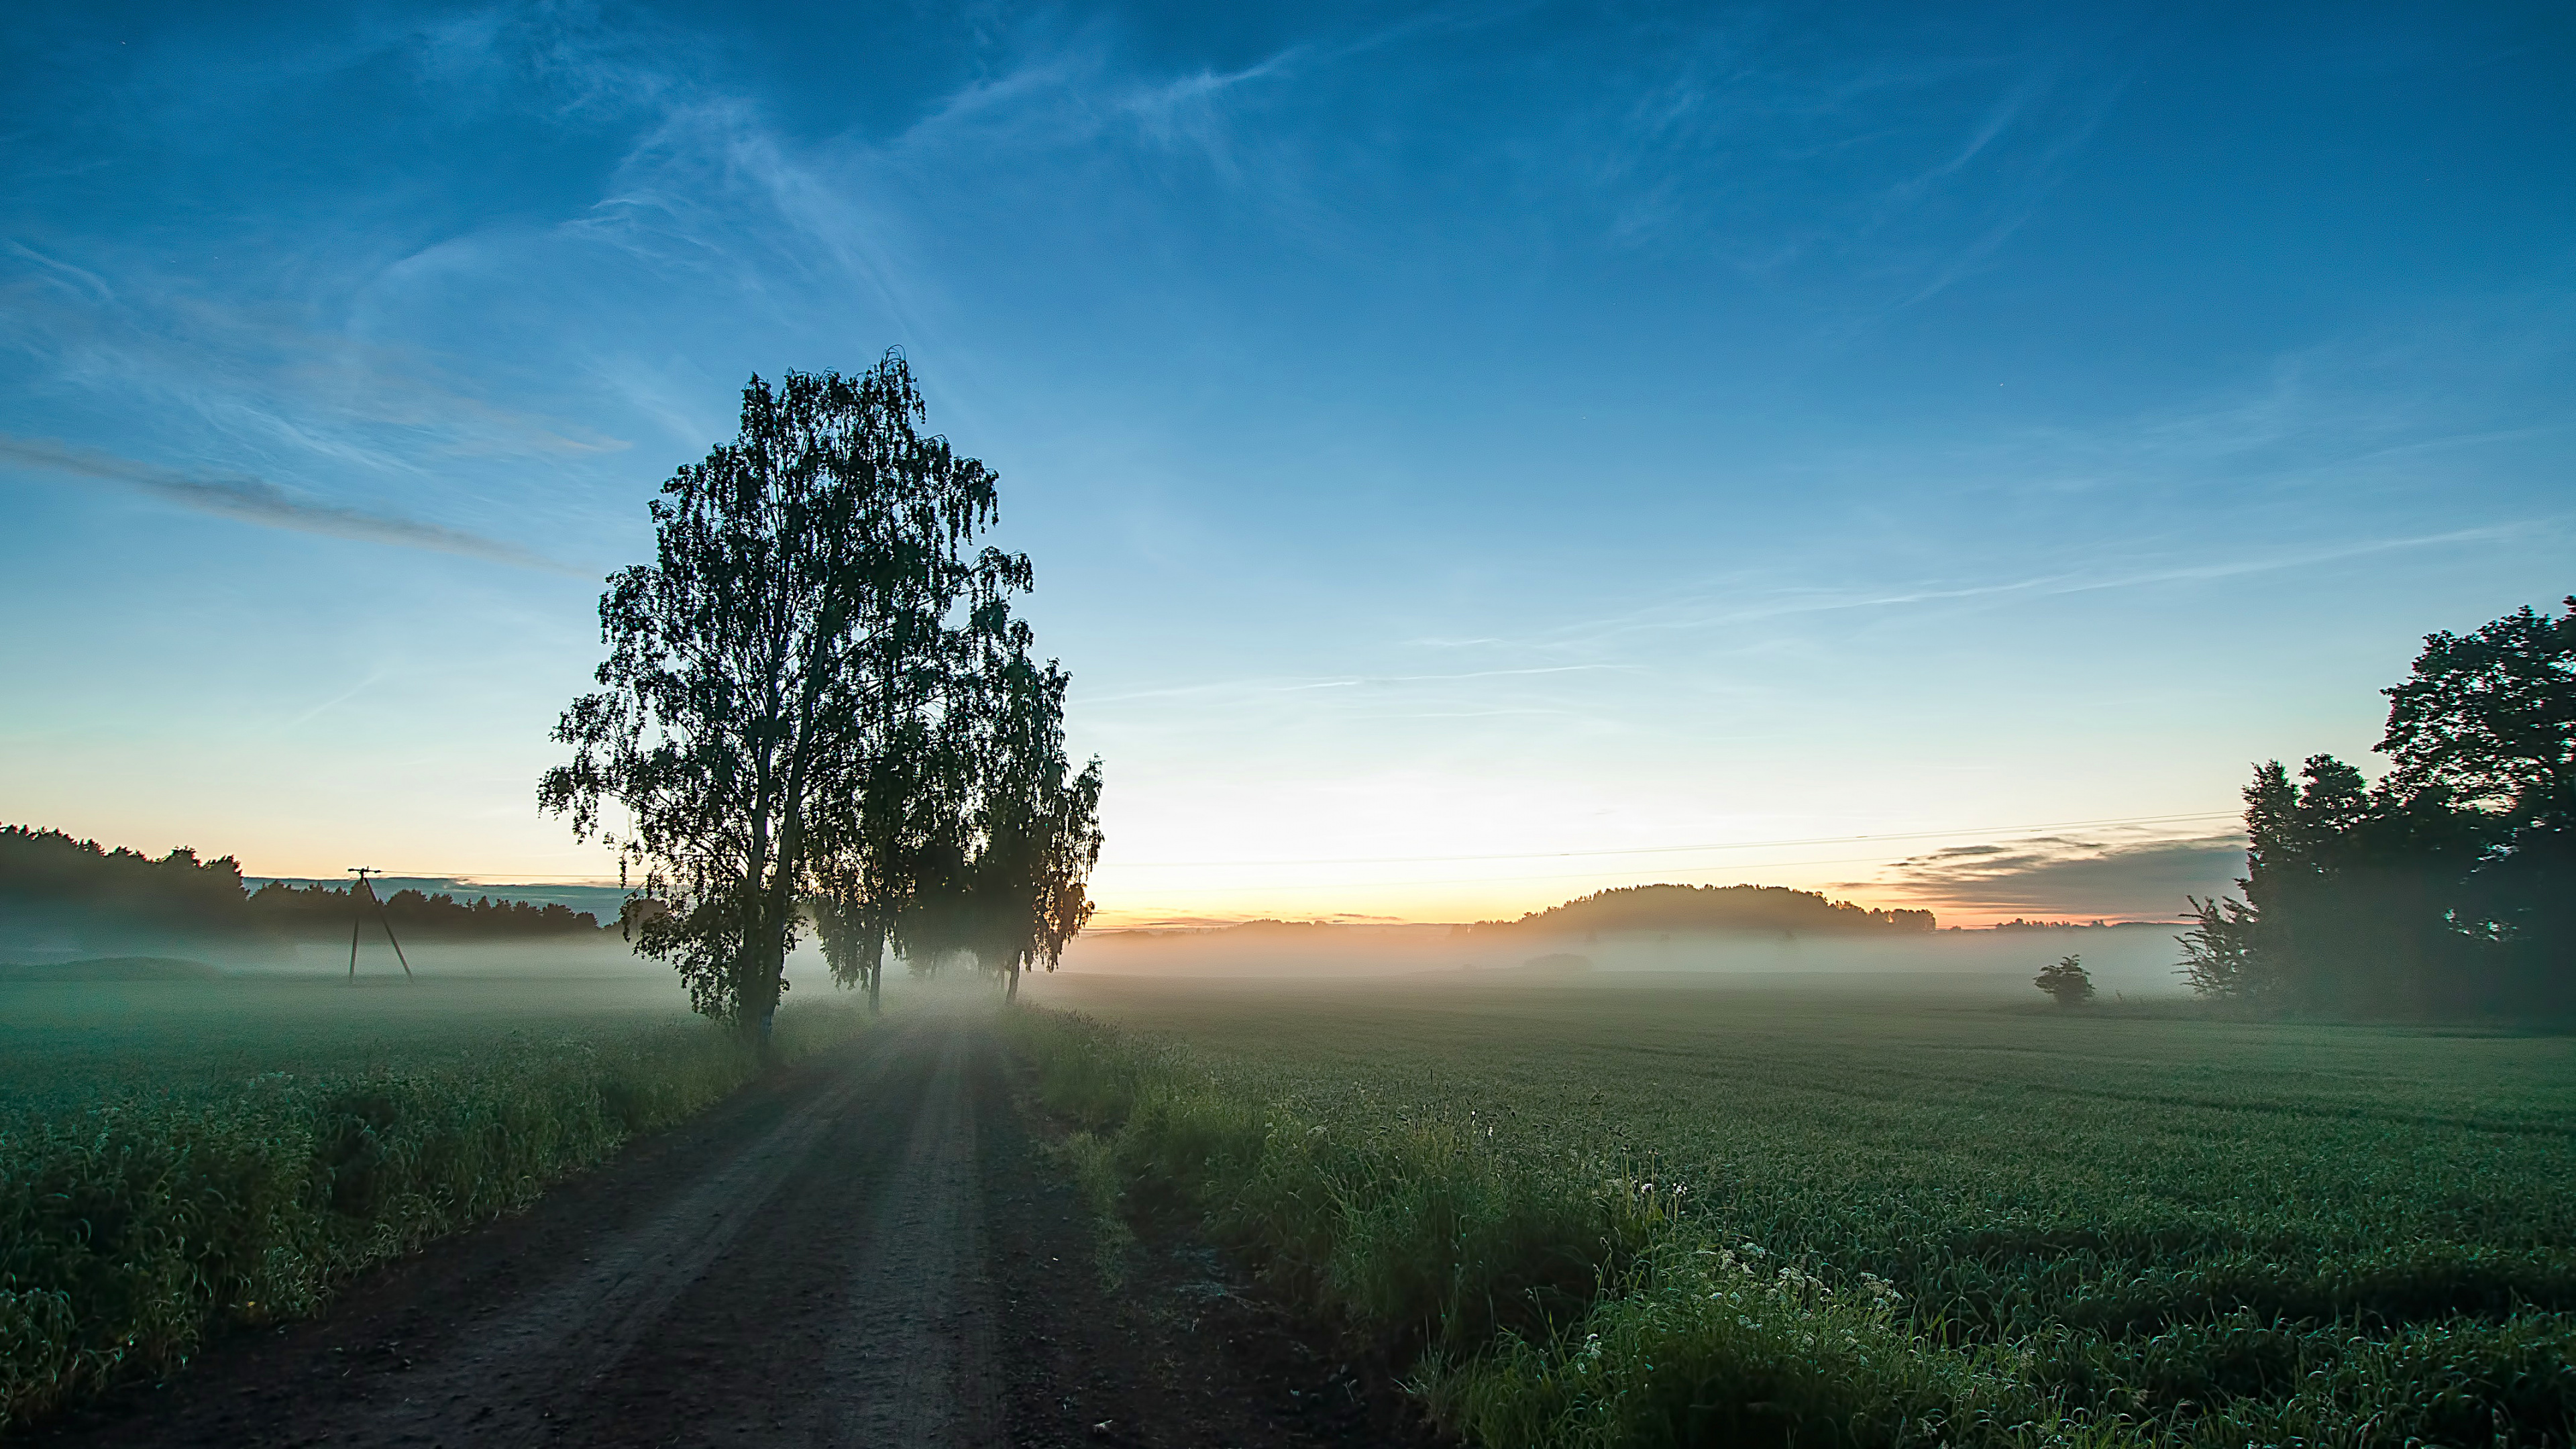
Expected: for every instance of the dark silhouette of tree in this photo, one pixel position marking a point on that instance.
(1036, 821)
(889, 830)
(2220, 959)
(993, 844)
(444, 914)
(2491, 716)
(774, 662)
(47, 874)
(2306, 857)
(2447, 886)
(2066, 980)
(2349, 896)
(2487, 721)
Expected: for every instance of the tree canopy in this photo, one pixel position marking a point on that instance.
(2066, 981)
(2448, 884)
(2490, 717)
(799, 713)
(998, 872)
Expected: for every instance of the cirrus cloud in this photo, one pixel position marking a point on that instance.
(256, 500)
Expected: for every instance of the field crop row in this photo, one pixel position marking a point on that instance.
(135, 1219)
(1621, 1217)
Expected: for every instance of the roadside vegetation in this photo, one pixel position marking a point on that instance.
(141, 1209)
(1646, 1216)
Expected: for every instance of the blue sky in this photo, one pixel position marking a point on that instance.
(1465, 449)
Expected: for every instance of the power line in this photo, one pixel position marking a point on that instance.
(1679, 849)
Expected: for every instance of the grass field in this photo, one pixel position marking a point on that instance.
(1631, 1212)
(62, 1043)
(179, 1155)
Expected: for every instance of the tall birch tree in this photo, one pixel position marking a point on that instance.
(781, 658)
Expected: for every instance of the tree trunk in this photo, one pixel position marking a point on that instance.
(773, 968)
(758, 974)
(872, 964)
(757, 985)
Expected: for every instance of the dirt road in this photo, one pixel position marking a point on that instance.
(868, 1250)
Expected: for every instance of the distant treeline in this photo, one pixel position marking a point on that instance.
(2446, 888)
(2018, 924)
(1738, 908)
(50, 879)
(319, 907)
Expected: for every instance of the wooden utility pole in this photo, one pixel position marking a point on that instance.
(358, 922)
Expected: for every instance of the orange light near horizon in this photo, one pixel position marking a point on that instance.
(1429, 888)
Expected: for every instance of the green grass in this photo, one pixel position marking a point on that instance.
(65, 1042)
(178, 1157)
(1667, 1214)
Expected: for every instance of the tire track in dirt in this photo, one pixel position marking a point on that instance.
(922, 1287)
(508, 1383)
(857, 1311)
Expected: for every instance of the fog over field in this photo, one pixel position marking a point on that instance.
(2136, 959)
(200, 1010)
(542, 974)
(2129, 960)
(176, 1005)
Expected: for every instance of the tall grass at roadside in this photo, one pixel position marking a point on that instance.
(1403, 1227)
(133, 1224)
(1096, 1178)
(1570, 1292)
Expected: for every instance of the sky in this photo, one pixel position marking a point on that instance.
(1472, 455)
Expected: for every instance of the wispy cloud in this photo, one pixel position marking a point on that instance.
(342, 697)
(1350, 681)
(270, 378)
(1722, 609)
(255, 500)
(1738, 138)
(2025, 182)
(2067, 876)
(1991, 125)
(2124, 501)
(1069, 93)
(88, 285)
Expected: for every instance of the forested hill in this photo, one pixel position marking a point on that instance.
(1740, 908)
(48, 877)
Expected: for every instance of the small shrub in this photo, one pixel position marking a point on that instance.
(2067, 981)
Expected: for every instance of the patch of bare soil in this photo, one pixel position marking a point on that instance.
(868, 1249)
